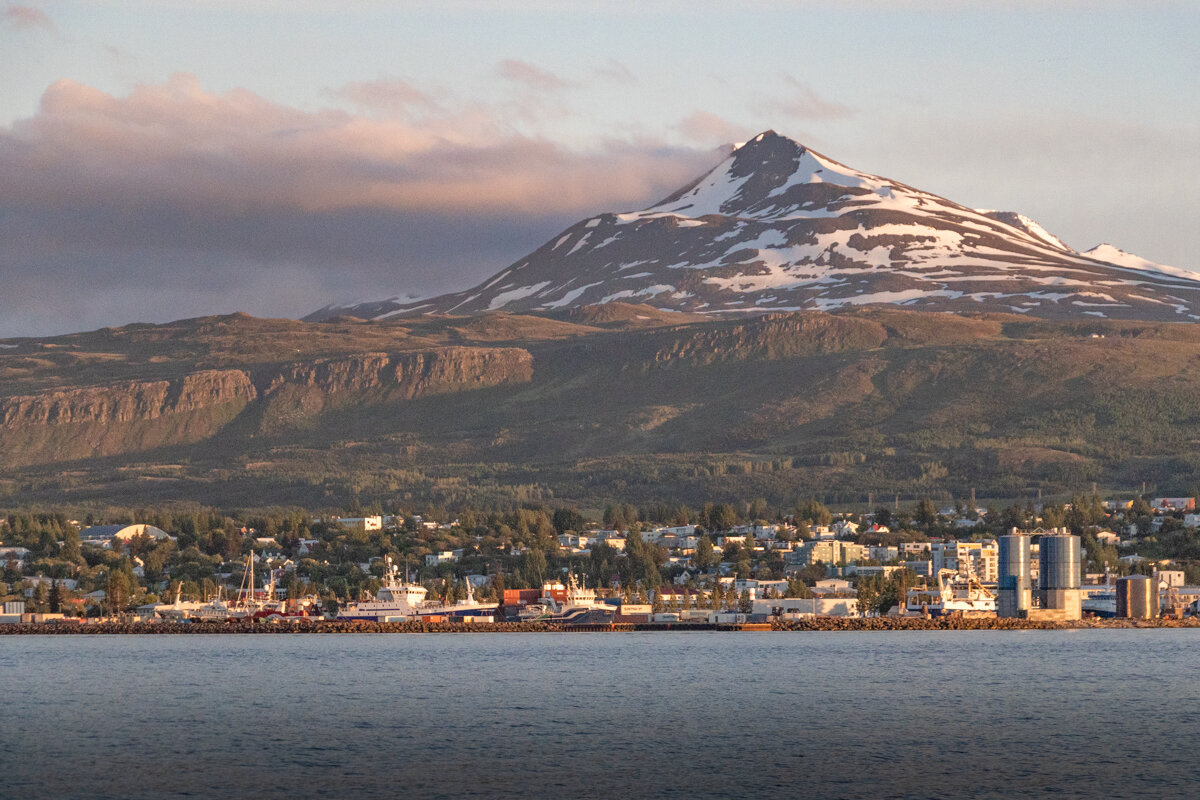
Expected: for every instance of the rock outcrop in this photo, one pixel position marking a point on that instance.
(134, 416)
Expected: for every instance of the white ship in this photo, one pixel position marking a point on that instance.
(953, 595)
(398, 599)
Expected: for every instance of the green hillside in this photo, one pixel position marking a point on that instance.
(620, 405)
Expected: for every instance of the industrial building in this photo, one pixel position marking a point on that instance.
(1058, 595)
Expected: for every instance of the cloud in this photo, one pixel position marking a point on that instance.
(801, 102)
(158, 204)
(29, 19)
(530, 76)
(390, 95)
(705, 128)
(616, 72)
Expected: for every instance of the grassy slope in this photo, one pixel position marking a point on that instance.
(627, 406)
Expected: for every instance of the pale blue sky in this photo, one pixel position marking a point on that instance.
(1082, 115)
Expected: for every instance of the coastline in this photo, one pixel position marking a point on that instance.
(816, 624)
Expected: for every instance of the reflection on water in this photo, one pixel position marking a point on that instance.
(993, 714)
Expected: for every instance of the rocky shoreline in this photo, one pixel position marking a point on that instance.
(828, 624)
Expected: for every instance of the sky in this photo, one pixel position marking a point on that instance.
(161, 160)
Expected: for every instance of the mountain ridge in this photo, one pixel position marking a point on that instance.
(777, 226)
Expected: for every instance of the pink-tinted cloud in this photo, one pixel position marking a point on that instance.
(702, 128)
(391, 95)
(801, 102)
(166, 200)
(530, 75)
(28, 18)
(178, 143)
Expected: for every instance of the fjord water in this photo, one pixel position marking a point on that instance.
(1108, 713)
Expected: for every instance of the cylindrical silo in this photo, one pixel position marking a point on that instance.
(1058, 562)
(1014, 564)
(1058, 575)
(1137, 597)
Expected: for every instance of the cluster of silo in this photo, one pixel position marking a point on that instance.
(1137, 597)
(1058, 577)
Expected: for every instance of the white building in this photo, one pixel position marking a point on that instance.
(444, 557)
(808, 607)
(980, 559)
(362, 524)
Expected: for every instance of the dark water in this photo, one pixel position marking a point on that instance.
(906, 715)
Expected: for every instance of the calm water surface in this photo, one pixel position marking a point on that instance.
(1094, 714)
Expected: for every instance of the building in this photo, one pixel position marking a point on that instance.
(361, 524)
(884, 553)
(977, 559)
(829, 552)
(108, 535)
(18, 555)
(444, 557)
(807, 607)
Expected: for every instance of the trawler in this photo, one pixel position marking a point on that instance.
(399, 599)
(560, 603)
(955, 595)
(396, 598)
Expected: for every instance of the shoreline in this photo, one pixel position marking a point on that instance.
(816, 624)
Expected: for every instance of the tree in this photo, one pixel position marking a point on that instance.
(55, 599)
(705, 556)
(798, 588)
(722, 517)
(883, 516)
(118, 589)
(745, 604)
(925, 513)
(743, 566)
(568, 519)
(71, 549)
(12, 570)
(813, 512)
(534, 567)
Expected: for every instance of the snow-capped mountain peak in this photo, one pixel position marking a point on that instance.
(777, 226)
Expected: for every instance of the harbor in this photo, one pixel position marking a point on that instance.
(804, 624)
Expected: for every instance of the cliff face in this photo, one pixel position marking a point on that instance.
(134, 416)
(128, 402)
(772, 337)
(298, 395)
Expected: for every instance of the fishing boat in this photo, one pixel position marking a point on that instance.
(399, 600)
(395, 599)
(560, 603)
(955, 594)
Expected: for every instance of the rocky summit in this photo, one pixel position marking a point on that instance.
(777, 226)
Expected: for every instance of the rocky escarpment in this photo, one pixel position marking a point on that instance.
(298, 395)
(129, 401)
(772, 337)
(134, 416)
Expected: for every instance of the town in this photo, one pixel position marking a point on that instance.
(668, 565)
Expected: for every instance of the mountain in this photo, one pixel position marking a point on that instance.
(777, 226)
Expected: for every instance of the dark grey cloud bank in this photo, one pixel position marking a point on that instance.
(174, 202)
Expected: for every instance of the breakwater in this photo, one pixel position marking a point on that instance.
(797, 625)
